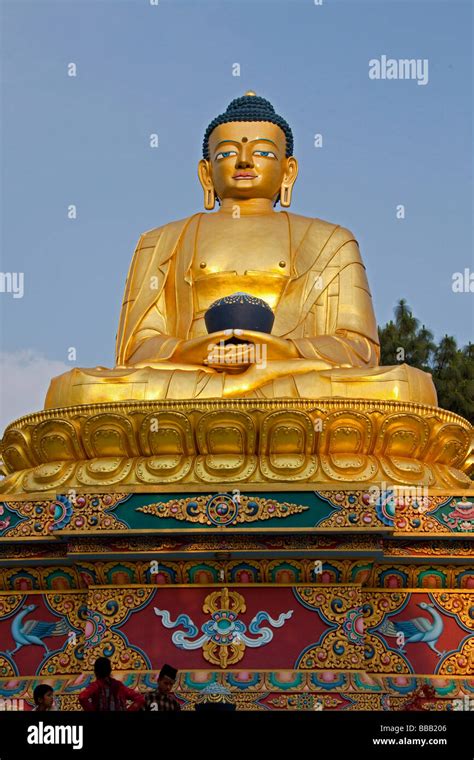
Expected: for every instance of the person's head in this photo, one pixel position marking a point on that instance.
(102, 667)
(248, 153)
(427, 691)
(43, 696)
(166, 679)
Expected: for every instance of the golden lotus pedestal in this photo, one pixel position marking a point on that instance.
(264, 443)
(295, 538)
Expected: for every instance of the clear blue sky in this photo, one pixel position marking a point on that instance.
(168, 69)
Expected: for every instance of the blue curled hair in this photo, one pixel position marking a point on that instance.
(249, 108)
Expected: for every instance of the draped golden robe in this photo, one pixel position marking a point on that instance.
(324, 308)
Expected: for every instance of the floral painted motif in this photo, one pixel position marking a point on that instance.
(224, 636)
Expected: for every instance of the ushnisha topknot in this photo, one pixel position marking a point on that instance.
(249, 107)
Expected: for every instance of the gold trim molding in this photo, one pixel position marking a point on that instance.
(257, 441)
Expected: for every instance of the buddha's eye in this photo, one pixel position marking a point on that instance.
(225, 154)
(264, 153)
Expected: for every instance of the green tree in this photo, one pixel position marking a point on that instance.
(452, 368)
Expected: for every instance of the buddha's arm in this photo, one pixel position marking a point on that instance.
(150, 342)
(144, 336)
(340, 327)
(149, 312)
(151, 346)
(343, 349)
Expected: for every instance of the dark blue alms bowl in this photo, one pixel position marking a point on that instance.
(239, 311)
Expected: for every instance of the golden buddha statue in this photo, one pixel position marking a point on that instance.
(324, 341)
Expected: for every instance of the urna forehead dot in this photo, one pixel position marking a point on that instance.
(250, 108)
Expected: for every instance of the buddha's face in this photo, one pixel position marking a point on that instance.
(247, 160)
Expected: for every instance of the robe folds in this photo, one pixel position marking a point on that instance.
(325, 309)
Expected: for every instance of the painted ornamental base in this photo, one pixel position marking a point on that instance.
(306, 558)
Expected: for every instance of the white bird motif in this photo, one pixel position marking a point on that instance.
(417, 629)
(34, 631)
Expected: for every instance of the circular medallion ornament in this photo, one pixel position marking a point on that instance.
(385, 508)
(61, 510)
(222, 509)
(224, 628)
(95, 629)
(353, 626)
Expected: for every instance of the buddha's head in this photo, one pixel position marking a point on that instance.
(248, 153)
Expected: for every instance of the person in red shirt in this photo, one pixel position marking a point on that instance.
(107, 694)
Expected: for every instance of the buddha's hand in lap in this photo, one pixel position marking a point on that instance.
(270, 347)
(260, 348)
(230, 357)
(214, 352)
(197, 350)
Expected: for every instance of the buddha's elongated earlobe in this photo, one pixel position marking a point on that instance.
(289, 180)
(209, 198)
(285, 195)
(205, 178)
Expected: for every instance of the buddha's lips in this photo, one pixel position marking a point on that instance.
(241, 175)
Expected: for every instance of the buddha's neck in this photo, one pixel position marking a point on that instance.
(251, 206)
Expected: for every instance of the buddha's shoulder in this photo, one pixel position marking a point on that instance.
(302, 226)
(321, 228)
(150, 238)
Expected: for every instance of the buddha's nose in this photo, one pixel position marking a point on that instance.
(244, 160)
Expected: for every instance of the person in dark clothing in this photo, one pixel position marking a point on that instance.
(107, 694)
(162, 699)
